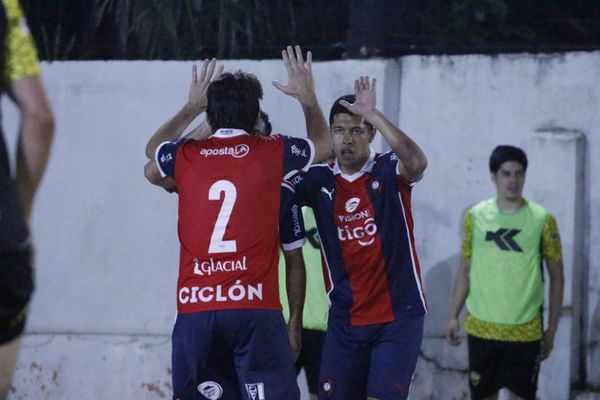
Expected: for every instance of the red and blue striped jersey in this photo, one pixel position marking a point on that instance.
(229, 189)
(366, 228)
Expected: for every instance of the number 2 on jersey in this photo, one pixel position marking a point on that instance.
(217, 244)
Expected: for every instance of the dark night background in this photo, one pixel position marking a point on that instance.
(332, 29)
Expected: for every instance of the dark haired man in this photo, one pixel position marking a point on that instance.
(363, 214)
(229, 194)
(506, 238)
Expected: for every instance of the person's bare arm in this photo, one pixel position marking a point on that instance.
(296, 288)
(176, 125)
(413, 161)
(196, 104)
(301, 86)
(35, 140)
(557, 283)
(459, 295)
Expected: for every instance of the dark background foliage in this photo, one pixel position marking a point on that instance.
(332, 29)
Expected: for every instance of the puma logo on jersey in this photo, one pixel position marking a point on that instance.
(504, 239)
(328, 193)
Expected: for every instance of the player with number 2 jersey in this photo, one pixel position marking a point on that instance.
(229, 196)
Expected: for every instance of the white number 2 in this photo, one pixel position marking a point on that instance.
(217, 244)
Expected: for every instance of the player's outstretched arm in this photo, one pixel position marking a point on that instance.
(196, 104)
(413, 160)
(35, 140)
(301, 86)
(174, 127)
(296, 289)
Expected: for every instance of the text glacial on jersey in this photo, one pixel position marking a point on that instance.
(212, 266)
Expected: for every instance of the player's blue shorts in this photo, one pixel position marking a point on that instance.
(233, 354)
(375, 360)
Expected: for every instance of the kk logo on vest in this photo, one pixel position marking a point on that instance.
(504, 239)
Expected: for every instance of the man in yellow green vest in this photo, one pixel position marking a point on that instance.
(507, 239)
(316, 304)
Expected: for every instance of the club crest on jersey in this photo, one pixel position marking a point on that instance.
(327, 387)
(211, 390)
(256, 391)
(376, 185)
(352, 204)
(238, 151)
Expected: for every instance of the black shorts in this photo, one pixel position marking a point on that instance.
(496, 364)
(16, 288)
(310, 357)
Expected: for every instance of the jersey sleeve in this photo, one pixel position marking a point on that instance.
(298, 154)
(291, 223)
(21, 54)
(297, 181)
(551, 246)
(393, 165)
(466, 247)
(165, 157)
(402, 177)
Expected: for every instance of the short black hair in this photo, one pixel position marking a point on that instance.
(337, 108)
(504, 153)
(233, 101)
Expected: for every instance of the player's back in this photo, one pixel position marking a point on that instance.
(229, 193)
(228, 213)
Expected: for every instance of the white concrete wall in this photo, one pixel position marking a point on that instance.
(107, 245)
(459, 108)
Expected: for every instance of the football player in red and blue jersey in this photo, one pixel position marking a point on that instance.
(362, 205)
(229, 195)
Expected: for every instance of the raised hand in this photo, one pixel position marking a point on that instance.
(197, 96)
(300, 78)
(365, 102)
